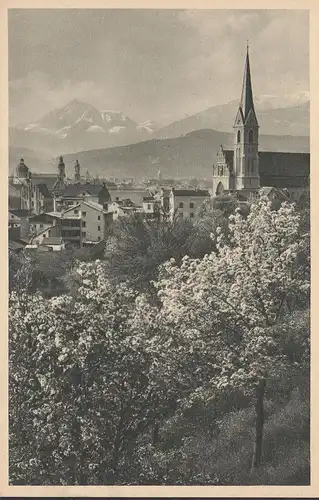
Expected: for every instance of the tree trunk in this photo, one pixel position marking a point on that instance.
(155, 433)
(259, 407)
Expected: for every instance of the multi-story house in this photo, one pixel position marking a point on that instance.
(185, 202)
(85, 223)
(151, 207)
(18, 223)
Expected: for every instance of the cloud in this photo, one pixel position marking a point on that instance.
(35, 95)
(151, 64)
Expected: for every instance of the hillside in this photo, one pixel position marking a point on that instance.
(274, 121)
(189, 156)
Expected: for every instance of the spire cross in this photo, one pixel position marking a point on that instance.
(247, 44)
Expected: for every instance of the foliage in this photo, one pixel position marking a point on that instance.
(139, 246)
(82, 389)
(108, 383)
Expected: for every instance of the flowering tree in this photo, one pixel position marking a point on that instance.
(220, 312)
(82, 388)
(95, 373)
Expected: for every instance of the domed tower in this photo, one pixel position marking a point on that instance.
(246, 131)
(77, 174)
(22, 171)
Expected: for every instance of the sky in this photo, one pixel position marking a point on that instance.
(160, 65)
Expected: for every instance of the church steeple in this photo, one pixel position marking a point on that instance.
(246, 100)
(246, 164)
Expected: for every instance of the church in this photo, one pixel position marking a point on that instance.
(245, 169)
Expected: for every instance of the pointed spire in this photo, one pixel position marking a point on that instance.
(246, 101)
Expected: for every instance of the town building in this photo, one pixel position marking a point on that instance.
(86, 223)
(18, 223)
(124, 208)
(245, 169)
(29, 192)
(92, 193)
(45, 233)
(151, 207)
(186, 202)
(54, 243)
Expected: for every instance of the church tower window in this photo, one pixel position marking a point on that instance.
(238, 136)
(251, 136)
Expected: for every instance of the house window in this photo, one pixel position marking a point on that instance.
(181, 205)
(99, 228)
(98, 238)
(191, 205)
(76, 212)
(191, 214)
(99, 218)
(41, 226)
(149, 206)
(84, 214)
(117, 198)
(84, 224)
(83, 233)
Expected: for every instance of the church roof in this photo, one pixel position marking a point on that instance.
(284, 164)
(275, 165)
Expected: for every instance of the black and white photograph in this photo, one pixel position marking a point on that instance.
(158, 247)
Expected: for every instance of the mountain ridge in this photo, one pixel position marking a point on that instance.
(79, 126)
(191, 155)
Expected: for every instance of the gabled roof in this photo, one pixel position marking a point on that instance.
(42, 217)
(44, 230)
(52, 240)
(267, 190)
(56, 215)
(20, 213)
(16, 245)
(95, 206)
(74, 190)
(191, 192)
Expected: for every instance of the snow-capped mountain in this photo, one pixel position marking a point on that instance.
(79, 126)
